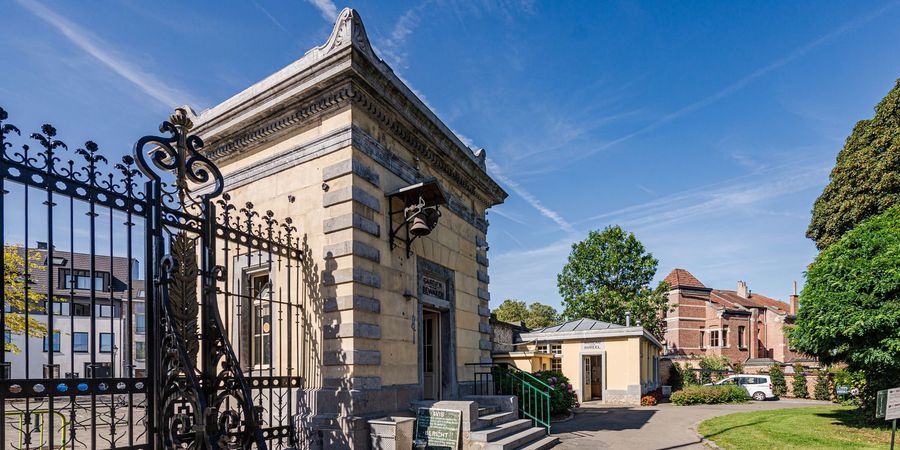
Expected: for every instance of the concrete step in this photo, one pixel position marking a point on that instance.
(517, 440)
(497, 418)
(500, 431)
(485, 410)
(542, 444)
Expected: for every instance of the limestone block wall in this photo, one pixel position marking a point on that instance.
(453, 245)
(284, 177)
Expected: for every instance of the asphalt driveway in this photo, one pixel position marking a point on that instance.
(664, 426)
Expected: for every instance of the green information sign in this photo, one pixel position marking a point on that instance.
(438, 428)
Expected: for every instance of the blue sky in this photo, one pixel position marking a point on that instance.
(706, 128)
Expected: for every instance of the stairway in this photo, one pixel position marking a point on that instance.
(503, 430)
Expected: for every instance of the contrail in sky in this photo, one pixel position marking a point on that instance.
(96, 48)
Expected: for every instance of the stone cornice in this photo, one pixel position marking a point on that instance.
(237, 142)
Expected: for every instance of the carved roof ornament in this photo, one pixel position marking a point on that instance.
(300, 91)
(348, 31)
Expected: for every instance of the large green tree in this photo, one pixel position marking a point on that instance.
(851, 304)
(608, 274)
(866, 178)
(535, 315)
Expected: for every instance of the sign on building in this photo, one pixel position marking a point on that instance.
(596, 345)
(434, 287)
(438, 428)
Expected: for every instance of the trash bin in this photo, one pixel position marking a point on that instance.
(666, 391)
(392, 433)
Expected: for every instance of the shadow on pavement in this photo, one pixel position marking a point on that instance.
(605, 419)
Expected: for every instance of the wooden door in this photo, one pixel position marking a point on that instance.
(430, 356)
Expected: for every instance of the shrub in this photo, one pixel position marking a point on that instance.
(562, 396)
(737, 367)
(823, 387)
(717, 364)
(708, 395)
(779, 386)
(675, 378)
(801, 390)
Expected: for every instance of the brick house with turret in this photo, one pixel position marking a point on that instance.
(745, 326)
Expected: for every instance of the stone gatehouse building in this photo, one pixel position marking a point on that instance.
(338, 142)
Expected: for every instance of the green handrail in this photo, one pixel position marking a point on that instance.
(532, 392)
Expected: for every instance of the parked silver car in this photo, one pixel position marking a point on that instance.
(759, 387)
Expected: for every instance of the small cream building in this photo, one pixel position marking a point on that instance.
(603, 361)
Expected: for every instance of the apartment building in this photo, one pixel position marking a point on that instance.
(92, 302)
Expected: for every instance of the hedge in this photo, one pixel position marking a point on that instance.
(708, 395)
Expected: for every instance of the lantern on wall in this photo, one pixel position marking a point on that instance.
(418, 215)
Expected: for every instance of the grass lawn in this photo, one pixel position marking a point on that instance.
(823, 427)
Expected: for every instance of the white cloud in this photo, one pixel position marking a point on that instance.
(721, 232)
(327, 8)
(100, 50)
(394, 45)
(530, 199)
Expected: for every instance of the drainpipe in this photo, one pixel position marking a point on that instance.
(754, 345)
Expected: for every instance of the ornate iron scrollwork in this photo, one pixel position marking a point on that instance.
(183, 293)
(182, 401)
(180, 154)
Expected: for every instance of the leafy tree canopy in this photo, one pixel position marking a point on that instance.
(18, 273)
(851, 303)
(535, 315)
(608, 274)
(866, 178)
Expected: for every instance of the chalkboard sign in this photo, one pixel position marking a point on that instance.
(438, 428)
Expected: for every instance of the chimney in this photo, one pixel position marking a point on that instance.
(42, 245)
(795, 300)
(627, 318)
(754, 344)
(742, 289)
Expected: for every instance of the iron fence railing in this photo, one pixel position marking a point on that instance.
(504, 379)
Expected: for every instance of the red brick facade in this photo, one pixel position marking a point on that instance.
(738, 324)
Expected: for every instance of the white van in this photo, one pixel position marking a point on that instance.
(759, 387)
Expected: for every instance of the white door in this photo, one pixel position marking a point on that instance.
(586, 379)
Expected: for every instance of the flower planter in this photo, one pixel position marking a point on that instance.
(392, 433)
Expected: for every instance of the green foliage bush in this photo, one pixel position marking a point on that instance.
(688, 375)
(823, 387)
(709, 395)
(562, 396)
(799, 387)
(779, 386)
(864, 180)
(716, 363)
(851, 304)
(675, 378)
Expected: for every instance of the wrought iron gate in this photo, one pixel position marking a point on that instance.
(198, 350)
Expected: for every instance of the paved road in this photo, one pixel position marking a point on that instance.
(660, 427)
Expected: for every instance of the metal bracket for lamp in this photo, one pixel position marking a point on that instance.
(419, 215)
